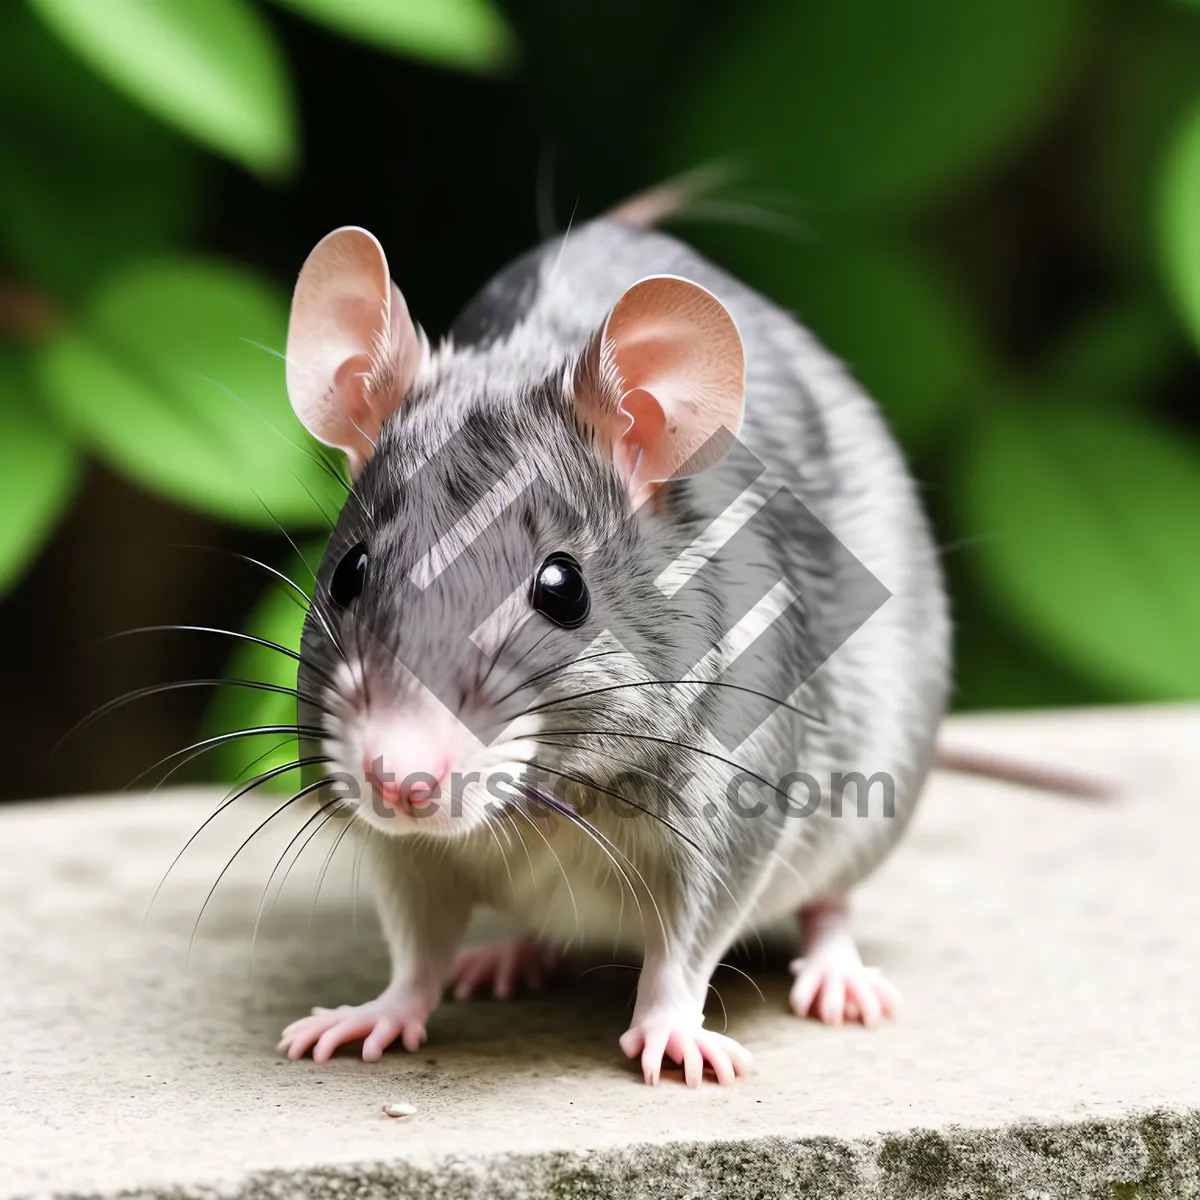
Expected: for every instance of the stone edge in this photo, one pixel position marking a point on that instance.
(1144, 1156)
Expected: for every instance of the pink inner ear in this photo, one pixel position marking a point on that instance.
(680, 366)
(637, 453)
(352, 382)
(650, 357)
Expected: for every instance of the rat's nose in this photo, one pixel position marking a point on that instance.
(412, 790)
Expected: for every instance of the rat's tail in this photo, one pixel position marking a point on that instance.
(1026, 774)
(694, 195)
(669, 199)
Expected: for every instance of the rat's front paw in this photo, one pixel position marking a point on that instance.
(378, 1024)
(504, 965)
(685, 1040)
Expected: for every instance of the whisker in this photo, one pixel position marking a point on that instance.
(647, 737)
(278, 433)
(333, 464)
(278, 525)
(317, 453)
(604, 843)
(266, 643)
(158, 689)
(604, 966)
(712, 987)
(316, 503)
(528, 856)
(702, 860)
(296, 591)
(265, 777)
(363, 681)
(503, 646)
(368, 438)
(310, 602)
(730, 967)
(355, 876)
(312, 787)
(491, 828)
(258, 758)
(563, 244)
(322, 818)
(729, 762)
(551, 670)
(617, 687)
(197, 748)
(325, 867)
(262, 900)
(590, 783)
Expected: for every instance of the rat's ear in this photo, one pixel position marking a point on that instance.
(663, 382)
(352, 349)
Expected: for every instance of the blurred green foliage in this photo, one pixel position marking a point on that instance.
(874, 148)
(888, 105)
(154, 373)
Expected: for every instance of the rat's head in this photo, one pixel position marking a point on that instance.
(499, 529)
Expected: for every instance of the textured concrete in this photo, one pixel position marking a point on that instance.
(1049, 1043)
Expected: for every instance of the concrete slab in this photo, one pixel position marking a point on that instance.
(1048, 1046)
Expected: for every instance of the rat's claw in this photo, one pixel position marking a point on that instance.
(687, 1042)
(831, 981)
(377, 1024)
(837, 989)
(506, 965)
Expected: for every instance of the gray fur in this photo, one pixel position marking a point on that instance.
(499, 390)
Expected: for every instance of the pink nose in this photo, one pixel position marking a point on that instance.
(412, 790)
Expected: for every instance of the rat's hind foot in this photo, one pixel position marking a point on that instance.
(378, 1024)
(831, 981)
(505, 966)
(688, 1043)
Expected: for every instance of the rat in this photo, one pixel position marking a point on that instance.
(540, 659)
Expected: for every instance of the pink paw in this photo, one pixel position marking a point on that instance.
(688, 1043)
(505, 966)
(837, 988)
(377, 1024)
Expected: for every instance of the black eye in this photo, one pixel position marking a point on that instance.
(559, 592)
(349, 576)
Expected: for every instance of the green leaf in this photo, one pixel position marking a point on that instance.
(209, 67)
(278, 618)
(886, 311)
(1180, 220)
(1118, 353)
(459, 33)
(117, 186)
(1149, 87)
(38, 470)
(1086, 523)
(868, 107)
(174, 374)
(997, 666)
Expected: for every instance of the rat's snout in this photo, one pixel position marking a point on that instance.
(407, 789)
(408, 759)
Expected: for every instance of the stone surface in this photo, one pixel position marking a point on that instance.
(1047, 949)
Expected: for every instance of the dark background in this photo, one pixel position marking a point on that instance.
(985, 213)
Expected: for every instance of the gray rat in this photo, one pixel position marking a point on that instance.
(541, 650)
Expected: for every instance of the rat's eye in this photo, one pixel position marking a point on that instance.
(349, 576)
(559, 592)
